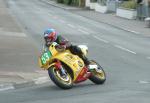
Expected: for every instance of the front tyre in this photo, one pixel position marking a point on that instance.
(64, 82)
(98, 76)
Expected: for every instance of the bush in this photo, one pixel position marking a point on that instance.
(93, 0)
(68, 2)
(75, 2)
(59, 1)
(102, 2)
(129, 4)
(80, 3)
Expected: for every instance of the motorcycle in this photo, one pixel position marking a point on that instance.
(66, 69)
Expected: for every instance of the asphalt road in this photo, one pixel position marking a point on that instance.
(124, 56)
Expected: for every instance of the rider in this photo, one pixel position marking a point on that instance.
(51, 36)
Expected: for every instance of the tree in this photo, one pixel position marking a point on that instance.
(81, 3)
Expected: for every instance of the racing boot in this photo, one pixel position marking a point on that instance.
(87, 63)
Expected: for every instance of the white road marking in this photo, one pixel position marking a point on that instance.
(86, 29)
(4, 87)
(125, 49)
(148, 57)
(79, 43)
(143, 82)
(16, 34)
(132, 31)
(41, 80)
(135, 32)
(85, 32)
(15, 54)
(98, 38)
(70, 25)
(81, 27)
(41, 71)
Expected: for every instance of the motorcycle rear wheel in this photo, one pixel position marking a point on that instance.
(62, 82)
(97, 77)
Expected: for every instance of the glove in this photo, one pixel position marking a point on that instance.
(60, 48)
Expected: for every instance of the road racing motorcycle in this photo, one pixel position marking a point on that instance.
(66, 69)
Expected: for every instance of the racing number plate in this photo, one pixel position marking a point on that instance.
(45, 57)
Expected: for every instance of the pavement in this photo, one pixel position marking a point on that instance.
(134, 26)
(18, 55)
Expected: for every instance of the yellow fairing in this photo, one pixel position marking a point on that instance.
(73, 61)
(53, 49)
(53, 52)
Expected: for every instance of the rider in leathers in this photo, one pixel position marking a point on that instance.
(51, 36)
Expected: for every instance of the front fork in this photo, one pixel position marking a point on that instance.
(59, 66)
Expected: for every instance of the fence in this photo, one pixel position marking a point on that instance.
(143, 11)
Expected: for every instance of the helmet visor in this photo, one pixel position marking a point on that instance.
(49, 38)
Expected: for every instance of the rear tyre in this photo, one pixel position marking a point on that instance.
(97, 77)
(64, 82)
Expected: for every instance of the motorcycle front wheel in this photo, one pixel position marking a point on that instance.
(64, 82)
(98, 76)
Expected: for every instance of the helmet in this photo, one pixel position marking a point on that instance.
(50, 36)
